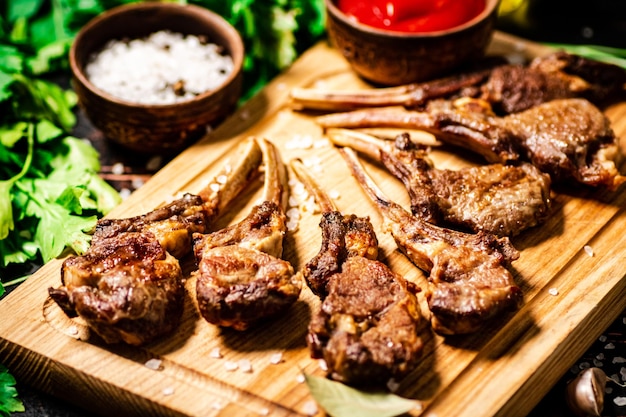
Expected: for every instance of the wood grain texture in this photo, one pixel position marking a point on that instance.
(502, 371)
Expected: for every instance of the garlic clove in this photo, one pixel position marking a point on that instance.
(585, 394)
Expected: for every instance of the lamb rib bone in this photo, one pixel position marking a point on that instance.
(509, 88)
(369, 327)
(469, 281)
(240, 278)
(570, 139)
(496, 198)
(128, 287)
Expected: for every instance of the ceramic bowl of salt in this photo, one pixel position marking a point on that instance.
(154, 77)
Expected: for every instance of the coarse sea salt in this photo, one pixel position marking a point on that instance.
(154, 364)
(163, 68)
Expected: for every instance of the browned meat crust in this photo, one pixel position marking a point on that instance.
(507, 87)
(343, 236)
(127, 288)
(368, 327)
(470, 283)
(241, 279)
(129, 285)
(497, 198)
(569, 139)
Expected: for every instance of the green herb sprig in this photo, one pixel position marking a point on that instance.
(9, 402)
(50, 193)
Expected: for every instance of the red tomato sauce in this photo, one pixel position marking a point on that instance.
(412, 15)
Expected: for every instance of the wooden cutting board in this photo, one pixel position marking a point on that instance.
(570, 296)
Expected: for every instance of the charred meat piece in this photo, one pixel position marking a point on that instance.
(469, 280)
(410, 95)
(369, 326)
(343, 236)
(509, 88)
(570, 139)
(174, 223)
(128, 286)
(241, 278)
(500, 199)
(171, 224)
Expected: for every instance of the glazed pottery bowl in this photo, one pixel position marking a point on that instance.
(156, 128)
(392, 58)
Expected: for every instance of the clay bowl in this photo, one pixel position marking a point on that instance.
(155, 128)
(391, 58)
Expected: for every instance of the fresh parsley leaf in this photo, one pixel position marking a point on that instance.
(9, 403)
(22, 9)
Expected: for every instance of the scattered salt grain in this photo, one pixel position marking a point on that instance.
(602, 338)
(168, 391)
(276, 358)
(293, 213)
(553, 291)
(154, 364)
(214, 187)
(323, 365)
(231, 366)
(300, 379)
(619, 359)
(264, 411)
(221, 179)
(137, 183)
(292, 225)
(245, 366)
(598, 363)
(393, 385)
(218, 405)
(162, 68)
(299, 142)
(609, 346)
(117, 168)
(589, 250)
(622, 372)
(216, 353)
(154, 163)
(321, 143)
(73, 330)
(125, 193)
(299, 190)
(620, 401)
(309, 408)
(293, 202)
(334, 194)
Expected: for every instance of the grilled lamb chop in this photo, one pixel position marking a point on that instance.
(500, 199)
(509, 88)
(343, 236)
(128, 286)
(570, 139)
(369, 326)
(469, 280)
(241, 278)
